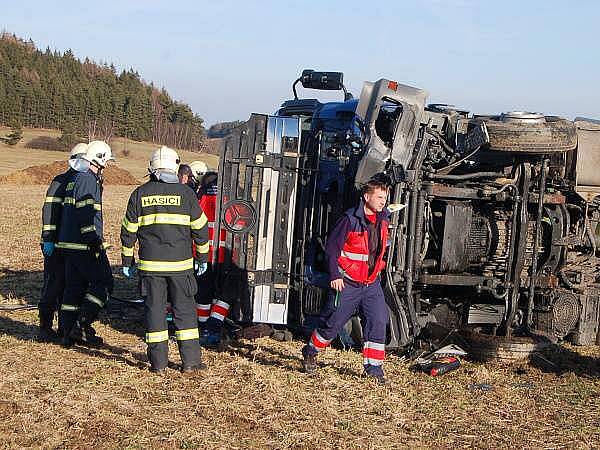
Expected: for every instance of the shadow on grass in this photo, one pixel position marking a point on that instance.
(281, 360)
(21, 286)
(560, 360)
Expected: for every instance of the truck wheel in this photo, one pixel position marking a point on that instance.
(530, 133)
(484, 347)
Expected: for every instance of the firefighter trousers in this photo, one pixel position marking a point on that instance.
(88, 281)
(211, 311)
(369, 302)
(54, 285)
(179, 290)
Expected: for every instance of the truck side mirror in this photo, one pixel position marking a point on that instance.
(325, 81)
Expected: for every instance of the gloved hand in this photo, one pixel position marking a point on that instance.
(48, 248)
(200, 268)
(128, 271)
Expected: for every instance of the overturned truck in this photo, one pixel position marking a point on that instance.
(497, 231)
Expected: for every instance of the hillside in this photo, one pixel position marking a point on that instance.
(85, 100)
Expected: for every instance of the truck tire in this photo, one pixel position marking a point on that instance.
(484, 347)
(550, 135)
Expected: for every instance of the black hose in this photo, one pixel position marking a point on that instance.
(467, 176)
(536, 242)
(449, 167)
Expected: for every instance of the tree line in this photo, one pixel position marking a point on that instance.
(87, 100)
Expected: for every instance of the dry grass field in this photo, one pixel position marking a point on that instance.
(253, 395)
(131, 155)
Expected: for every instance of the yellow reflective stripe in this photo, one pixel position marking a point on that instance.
(69, 201)
(97, 206)
(164, 218)
(82, 203)
(72, 246)
(66, 307)
(157, 336)
(199, 223)
(87, 229)
(94, 299)
(54, 200)
(165, 266)
(127, 251)
(187, 334)
(132, 227)
(203, 248)
(49, 227)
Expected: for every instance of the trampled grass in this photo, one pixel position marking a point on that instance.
(253, 395)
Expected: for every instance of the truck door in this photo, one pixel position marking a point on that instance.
(256, 207)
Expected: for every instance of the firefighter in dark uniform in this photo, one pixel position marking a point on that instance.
(54, 266)
(355, 250)
(164, 216)
(88, 277)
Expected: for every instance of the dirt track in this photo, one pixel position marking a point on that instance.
(253, 395)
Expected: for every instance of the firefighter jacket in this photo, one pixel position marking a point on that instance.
(208, 203)
(52, 208)
(81, 225)
(165, 218)
(348, 246)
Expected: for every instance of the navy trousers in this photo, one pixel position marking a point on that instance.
(88, 281)
(369, 302)
(54, 285)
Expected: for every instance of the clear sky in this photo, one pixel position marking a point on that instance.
(230, 58)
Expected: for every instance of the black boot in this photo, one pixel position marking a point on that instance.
(309, 361)
(193, 369)
(46, 333)
(84, 334)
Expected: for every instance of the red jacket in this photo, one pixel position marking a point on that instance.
(348, 246)
(208, 203)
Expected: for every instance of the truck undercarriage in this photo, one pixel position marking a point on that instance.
(495, 233)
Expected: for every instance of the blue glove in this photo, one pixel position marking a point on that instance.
(200, 268)
(48, 248)
(128, 271)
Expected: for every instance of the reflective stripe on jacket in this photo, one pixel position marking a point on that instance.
(348, 246)
(166, 220)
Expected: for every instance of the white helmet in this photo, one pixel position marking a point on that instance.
(78, 151)
(164, 158)
(199, 168)
(99, 153)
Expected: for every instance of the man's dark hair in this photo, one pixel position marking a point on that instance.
(209, 178)
(377, 181)
(184, 169)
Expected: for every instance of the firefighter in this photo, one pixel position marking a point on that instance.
(54, 266)
(355, 250)
(88, 278)
(211, 310)
(165, 217)
(198, 169)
